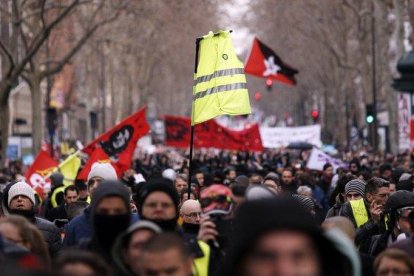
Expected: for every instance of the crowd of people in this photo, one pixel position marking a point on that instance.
(236, 213)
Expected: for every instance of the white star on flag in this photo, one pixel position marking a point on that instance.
(271, 67)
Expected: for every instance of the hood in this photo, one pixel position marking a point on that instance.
(280, 214)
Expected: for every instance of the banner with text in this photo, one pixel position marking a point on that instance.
(276, 137)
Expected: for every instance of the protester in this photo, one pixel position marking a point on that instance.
(337, 198)
(285, 240)
(128, 248)
(272, 181)
(158, 202)
(79, 262)
(70, 195)
(21, 232)
(190, 213)
(288, 183)
(397, 209)
(394, 262)
(110, 216)
(166, 254)
(20, 200)
(80, 227)
(181, 182)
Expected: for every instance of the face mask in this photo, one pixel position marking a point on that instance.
(108, 227)
(29, 214)
(167, 225)
(191, 227)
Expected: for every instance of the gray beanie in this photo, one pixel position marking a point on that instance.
(355, 185)
(23, 189)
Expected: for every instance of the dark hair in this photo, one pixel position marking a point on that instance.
(165, 241)
(374, 184)
(385, 167)
(74, 256)
(71, 188)
(327, 165)
(239, 189)
(185, 192)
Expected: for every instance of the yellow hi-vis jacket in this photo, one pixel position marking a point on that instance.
(58, 190)
(359, 211)
(219, 82)
(200, 265)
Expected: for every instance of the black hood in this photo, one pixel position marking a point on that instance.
(109, 188)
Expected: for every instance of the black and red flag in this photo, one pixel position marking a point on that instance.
(263, 62)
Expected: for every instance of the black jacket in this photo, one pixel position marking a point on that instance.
(57, 213)
(365, 231)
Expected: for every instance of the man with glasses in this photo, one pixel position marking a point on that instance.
(190, 213)
(367, 213)
(397, 209)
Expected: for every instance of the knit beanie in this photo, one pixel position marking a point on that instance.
(158, 185)
(56, 179)
(306, 202)
(355, 185)
(103, 170)
(23, 189)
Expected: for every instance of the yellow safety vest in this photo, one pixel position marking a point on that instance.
(61, 189)
(219, 82)
(360, 211)
(200, 265)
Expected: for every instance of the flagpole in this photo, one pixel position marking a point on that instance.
(190, 166)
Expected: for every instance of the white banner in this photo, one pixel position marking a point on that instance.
(276, 137)
(404, 119)
(318, 158)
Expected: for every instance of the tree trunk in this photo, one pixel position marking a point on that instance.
(37, 118)
(4, 130)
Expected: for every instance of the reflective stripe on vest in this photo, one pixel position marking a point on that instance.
(200, 266)
(61, 189)
(219, 84)
(359, 211)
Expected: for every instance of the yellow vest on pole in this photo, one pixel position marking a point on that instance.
(219, 82)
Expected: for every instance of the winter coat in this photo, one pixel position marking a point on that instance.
(51, 234)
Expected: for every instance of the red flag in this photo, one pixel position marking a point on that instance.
(247, 139)
(263, 62)
(98, 155)
(41, 167)
(211, 134)
(177, 131)
(119, 143)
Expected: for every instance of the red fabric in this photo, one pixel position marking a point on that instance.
(256, 64)
(98, 155)
(41, 167)
(211, 134)
(119, 143)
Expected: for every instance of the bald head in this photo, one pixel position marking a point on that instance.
(341, 223)
(190, 211)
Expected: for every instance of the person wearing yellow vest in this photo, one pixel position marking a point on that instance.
(367, 213)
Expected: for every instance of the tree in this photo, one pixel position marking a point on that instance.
(25, 53)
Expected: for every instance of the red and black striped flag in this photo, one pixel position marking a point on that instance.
(263, 62)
